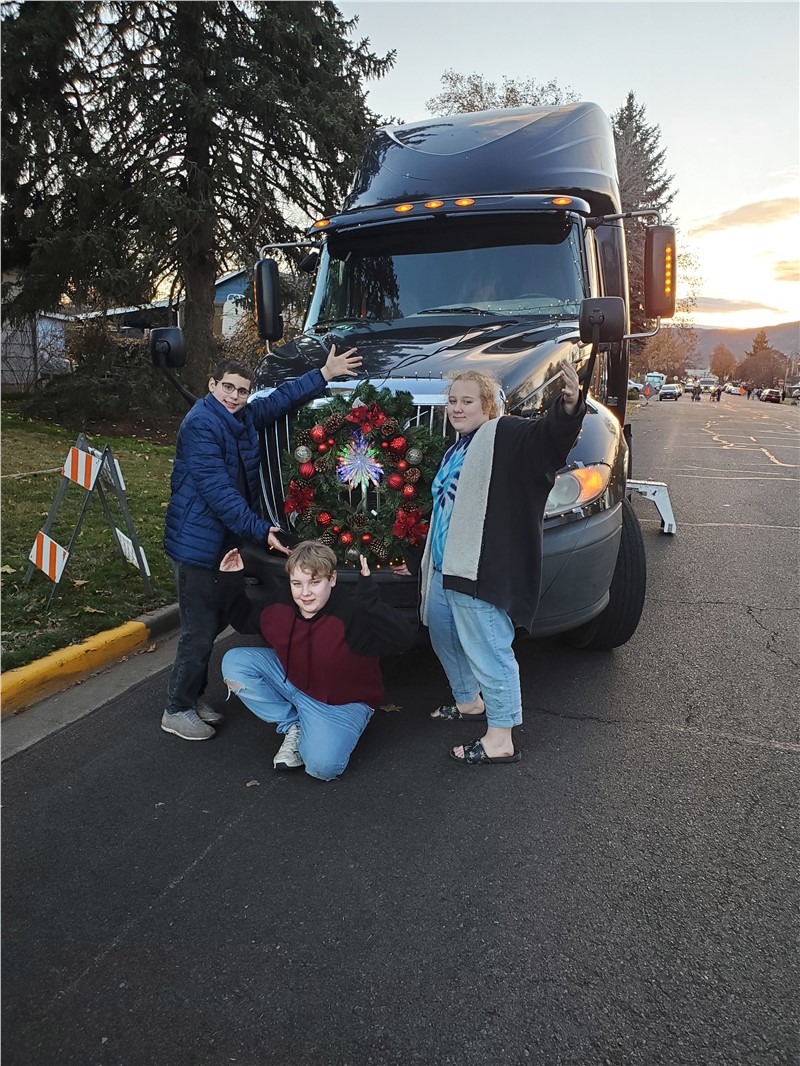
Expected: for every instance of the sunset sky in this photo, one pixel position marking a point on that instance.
(720, 79)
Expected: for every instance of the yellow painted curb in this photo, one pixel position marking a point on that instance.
(57, 671)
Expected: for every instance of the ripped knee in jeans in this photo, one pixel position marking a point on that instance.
(233, 687)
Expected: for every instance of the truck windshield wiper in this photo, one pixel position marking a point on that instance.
(342, 321)
(462, 310)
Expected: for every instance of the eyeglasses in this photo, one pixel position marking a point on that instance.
(230, 389)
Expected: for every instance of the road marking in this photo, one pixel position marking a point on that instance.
(720, 525)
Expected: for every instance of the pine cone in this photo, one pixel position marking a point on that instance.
(389, 427)
(412, 475)
(333, 424)
(325, 463)
(379, 548)
(357, 520)
(304, 437)
(328, 538)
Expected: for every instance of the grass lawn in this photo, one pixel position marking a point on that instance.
(98, 590)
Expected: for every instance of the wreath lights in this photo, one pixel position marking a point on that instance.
(358, 475)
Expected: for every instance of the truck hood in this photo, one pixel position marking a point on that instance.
(517, 351)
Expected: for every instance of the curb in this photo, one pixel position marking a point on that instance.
(59, 670)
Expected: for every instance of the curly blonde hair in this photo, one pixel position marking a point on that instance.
(316, 559)
(488, 389)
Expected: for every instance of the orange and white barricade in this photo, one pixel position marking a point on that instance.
(48, 556)
(82, 467)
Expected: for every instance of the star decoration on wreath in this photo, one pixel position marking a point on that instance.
(358, 475)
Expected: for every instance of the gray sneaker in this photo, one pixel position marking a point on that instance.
(207, 714)
(186, 725)
(288, 757)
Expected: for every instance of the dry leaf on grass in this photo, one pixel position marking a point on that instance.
(7, 570)
(251, 783)
(92, 610)
(80, 582)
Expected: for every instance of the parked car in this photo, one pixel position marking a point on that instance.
(771, 395)
(635, 385)
(669, 392)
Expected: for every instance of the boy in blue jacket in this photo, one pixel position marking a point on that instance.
(213, 507)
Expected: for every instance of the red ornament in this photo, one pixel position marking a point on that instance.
(409, 491)
(395, 481)
(307, 470)
(318, 434)
(398, 445)
(322, 448)
(346, 538)
(384, 444)
(366, 538)
(402, 465)
(324, 518)
(335, 529)
(331, 442)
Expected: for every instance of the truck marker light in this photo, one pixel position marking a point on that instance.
(464, 202)
(668, 252)
(434, 203)
(322, 222)
(402, 208)
(562, 201)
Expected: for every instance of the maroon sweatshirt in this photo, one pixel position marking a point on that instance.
(334, 656)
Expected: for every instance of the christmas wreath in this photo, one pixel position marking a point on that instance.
(358, 475)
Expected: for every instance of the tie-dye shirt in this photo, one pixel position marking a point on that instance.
(443, 491)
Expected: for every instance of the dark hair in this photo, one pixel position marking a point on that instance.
(231, 366)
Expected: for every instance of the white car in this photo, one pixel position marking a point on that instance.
(669, 392)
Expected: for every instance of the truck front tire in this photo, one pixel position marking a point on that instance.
(616, 624)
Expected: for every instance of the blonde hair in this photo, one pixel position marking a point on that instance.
(315, 558)
(488, 389)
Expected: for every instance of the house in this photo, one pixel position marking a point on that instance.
(32, 350)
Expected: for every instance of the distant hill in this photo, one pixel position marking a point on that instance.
(784, 338)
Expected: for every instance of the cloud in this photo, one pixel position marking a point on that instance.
(786, 270)
(713, 304)
(761, 213)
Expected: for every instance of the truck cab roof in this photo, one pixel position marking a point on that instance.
(567, 149)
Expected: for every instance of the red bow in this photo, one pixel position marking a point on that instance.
(410, 526)
(366, 418)
(298, 500)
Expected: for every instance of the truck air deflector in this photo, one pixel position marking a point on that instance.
(519, 150)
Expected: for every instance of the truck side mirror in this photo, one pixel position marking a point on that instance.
(659, 272)
(268, 300)
(167, 347)
(603, 313)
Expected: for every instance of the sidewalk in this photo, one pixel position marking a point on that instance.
(22, 688)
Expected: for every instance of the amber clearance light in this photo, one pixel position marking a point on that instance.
(464, 202)
(321, 223)
(434, 203)
(562, 201)
(402, 208)
(668, 253)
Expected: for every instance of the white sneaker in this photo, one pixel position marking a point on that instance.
(288, 757)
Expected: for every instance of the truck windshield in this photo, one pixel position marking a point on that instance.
(510, 266)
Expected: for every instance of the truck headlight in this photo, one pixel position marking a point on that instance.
(577, 487)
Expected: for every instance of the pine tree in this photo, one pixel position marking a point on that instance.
(183, 136)
(644, 184)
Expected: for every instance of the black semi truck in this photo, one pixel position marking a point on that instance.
(495, 241)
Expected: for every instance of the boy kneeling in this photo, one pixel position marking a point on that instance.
(320, 677)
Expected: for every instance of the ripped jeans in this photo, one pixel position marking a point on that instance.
(329, 733)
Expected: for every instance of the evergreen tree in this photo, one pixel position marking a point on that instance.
(172, 140)
(760, 344)
(644, 184)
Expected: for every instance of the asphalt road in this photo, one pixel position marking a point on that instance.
(625, 895)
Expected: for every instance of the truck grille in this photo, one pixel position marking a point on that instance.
(428, 412)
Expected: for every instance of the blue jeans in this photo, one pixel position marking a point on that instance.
(198, 603)
(472, 640)
(329, 733)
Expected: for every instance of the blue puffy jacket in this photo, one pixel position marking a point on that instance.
(206, 507)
